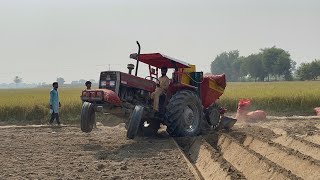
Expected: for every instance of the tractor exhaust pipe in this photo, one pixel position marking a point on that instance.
(137, 66)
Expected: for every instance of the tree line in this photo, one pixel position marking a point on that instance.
(60, 80)
(268, 64)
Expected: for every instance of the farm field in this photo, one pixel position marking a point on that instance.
(273, 149)
(277, 98)
(67, 153)
(33, 104)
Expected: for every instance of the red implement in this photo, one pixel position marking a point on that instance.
(212, 88)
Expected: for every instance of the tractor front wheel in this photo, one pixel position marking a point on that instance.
(184, 114)
(88, 117)
(135, 121)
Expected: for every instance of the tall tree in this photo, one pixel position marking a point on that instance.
(276, 61)
(254, 66)
(60, 80)
(303, 72)
(309, 71)
(243, 68)
(17, 79)
(227, 63)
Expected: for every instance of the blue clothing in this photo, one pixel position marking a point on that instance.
(54, 100)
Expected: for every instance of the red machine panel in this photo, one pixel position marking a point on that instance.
(137, 82)
(212, 88)
(111, 97)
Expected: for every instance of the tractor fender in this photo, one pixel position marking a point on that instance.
(173, 88)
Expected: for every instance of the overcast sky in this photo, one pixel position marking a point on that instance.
(41, 40)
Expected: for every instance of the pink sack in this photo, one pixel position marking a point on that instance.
(244, 104)
(317, 109)
(243, 113)
(243, 109)
(257, 115)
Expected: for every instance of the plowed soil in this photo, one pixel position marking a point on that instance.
(269, 149)
(67, 153)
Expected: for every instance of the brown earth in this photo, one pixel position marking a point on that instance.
(269, 149)
(67, 153)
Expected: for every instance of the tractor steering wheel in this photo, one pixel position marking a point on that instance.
(156, 80)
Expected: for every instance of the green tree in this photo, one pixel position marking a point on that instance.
(315, 69)
(227, 63)
(309, 71)
(242, 69)
(276, 62)
(60, 80)
(254, 66)
(17, 79)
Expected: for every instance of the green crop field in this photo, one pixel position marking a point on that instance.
(277, 98)
(33, 104)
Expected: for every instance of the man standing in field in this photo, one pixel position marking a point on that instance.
(88, 85)
(54, 104)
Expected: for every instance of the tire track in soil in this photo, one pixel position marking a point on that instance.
(252, 164)
(313, 138)
(254, 151)
(285, 157)
(224, 157)
(207, 160)
(297, 143)
(306, 128)
(258, 151)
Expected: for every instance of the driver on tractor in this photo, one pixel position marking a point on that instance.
(161, 88)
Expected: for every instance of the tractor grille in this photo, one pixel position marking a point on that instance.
(109, 80)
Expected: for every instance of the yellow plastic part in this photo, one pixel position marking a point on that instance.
(213, 85)
(185, 79)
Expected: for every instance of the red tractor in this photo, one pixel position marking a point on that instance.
(188, 106)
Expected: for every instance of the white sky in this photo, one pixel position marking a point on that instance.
(41, 40)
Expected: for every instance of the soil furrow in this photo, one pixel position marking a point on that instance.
(296, 143)
(283, 156)
(208, 161)
(313, 138)
(247, 161)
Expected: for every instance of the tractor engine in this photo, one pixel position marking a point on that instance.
(130, 89)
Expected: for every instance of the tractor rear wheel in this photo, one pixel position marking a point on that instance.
(184, 114)
(135, 121)
(88, 117)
